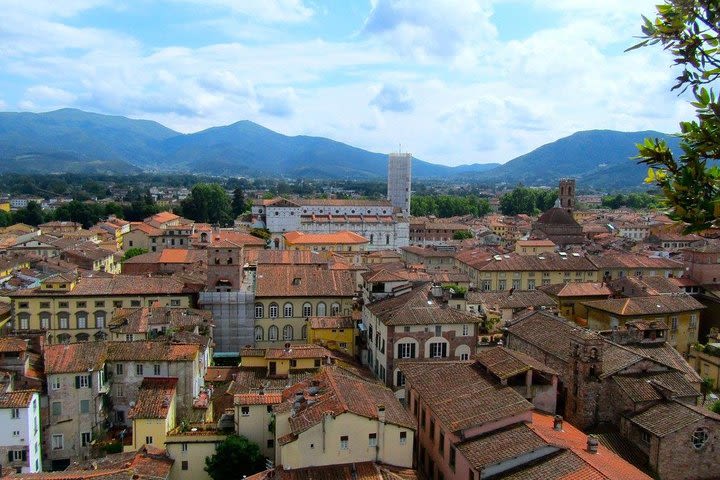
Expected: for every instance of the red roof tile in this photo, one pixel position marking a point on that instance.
(154, 398)
(74, 357)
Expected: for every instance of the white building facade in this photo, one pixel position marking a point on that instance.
(20, 440)
(377, 220)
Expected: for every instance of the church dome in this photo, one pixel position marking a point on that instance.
(557, 216)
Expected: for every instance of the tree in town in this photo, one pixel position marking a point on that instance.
(234, 457)
(30, 215)
(133, 252)
(527, 200)
(5, 218)
(690, 180)
(462, 235)
(706, 386)
(238, 202)
(208, 203)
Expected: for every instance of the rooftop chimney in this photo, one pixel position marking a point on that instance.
(436, 291)
(558, 423)
(592, 444)
(381, 413)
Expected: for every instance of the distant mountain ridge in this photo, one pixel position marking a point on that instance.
(70, 140)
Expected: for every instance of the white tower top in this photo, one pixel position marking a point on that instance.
(400, 180)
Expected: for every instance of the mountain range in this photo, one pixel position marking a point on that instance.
(70, 140)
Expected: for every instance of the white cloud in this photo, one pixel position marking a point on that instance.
(280, 11)
(393, 98)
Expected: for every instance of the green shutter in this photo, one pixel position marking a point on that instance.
(90, 375)
(77, 381)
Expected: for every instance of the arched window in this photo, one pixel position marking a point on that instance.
(277, 243)
(63, 320)
(100, 319)
(287, 332)
(273, 310)
(259, 333)
(321, 310)
(303, 332)
(272, 333)
(335, 309)
(307, 310)
(204, 237)
(45, 320)
(100, 335)
(699, 438)
(81, 319)
(82, 337)
(259, 310)
(63, 338)
(288, 310)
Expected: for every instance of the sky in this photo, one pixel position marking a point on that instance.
(451, 81)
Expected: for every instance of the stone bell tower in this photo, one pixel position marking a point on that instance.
(566, 195)
(583, 389)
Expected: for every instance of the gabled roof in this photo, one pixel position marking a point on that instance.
(12, 345)
(17, 398)
(154, 398)
(344, 237)
(461, 395)
(74, 357)
(149, 351)
(417, 307)
(505, 363)
(577, 289)
(658, 304)
(340, 392)
(632, 260)
(668, 417)
(331, 322)
(512, 299)
(303, 281)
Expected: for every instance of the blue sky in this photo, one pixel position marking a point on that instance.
(452, 81)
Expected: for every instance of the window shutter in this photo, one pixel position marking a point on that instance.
(90, 375)
(412, 350)
(24, 455)
(10, 456)
(77, 381)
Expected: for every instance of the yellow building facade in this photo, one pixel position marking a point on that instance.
(70, 309)
(189, 447)
(335, 333)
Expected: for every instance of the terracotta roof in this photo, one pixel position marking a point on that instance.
(659, 304)
(154, 398)
(631, 260)
(151, 351)
(500, 445)
(514, 262)
(252, 352)
(418, 308)
(557, 216)
(12, 345)
(564, 465)
(298, 351)
(609, 464)
(512, 299)
(644, 388)
(145, 228)
(505, 363)
(668, 417)
(460, 395)
(303, 281)
(148, 463)
(428, 252)
(220, 374)
(175, 255)
(344, 237)
(16, 398)
(117, 285)
(355, 471)
(74, 357)
(535, 243)
(331, 322)
(290, 257)
(340, 392)
(269, 398)
(162, 217)
(139, 320)
(577, 289)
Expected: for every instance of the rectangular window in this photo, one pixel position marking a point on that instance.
(403, 438)
(372, 440)
(293, 363)
(44, 304)
(452, 458)
(270, 443)
(184, 465)
(117, 304)
(406, 350)
(441, 443)
(81, 304)
(119, 390)
(466, 330)
(55, 383)
(82, 381)
(693, 321)
(344, 442)
(56, 409)
(135, 303)
(148, 440)
(674, 324)
(156, 370)
(174, 302)
(119, 369)
(245, 411)
(16, 433)
(63, 304)
(438, 350)
(99, 303)
(15, 413)
(138, 369)
(183, 447)
(85, 439)
(84, 406)
(57, 441)
(438, 330)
